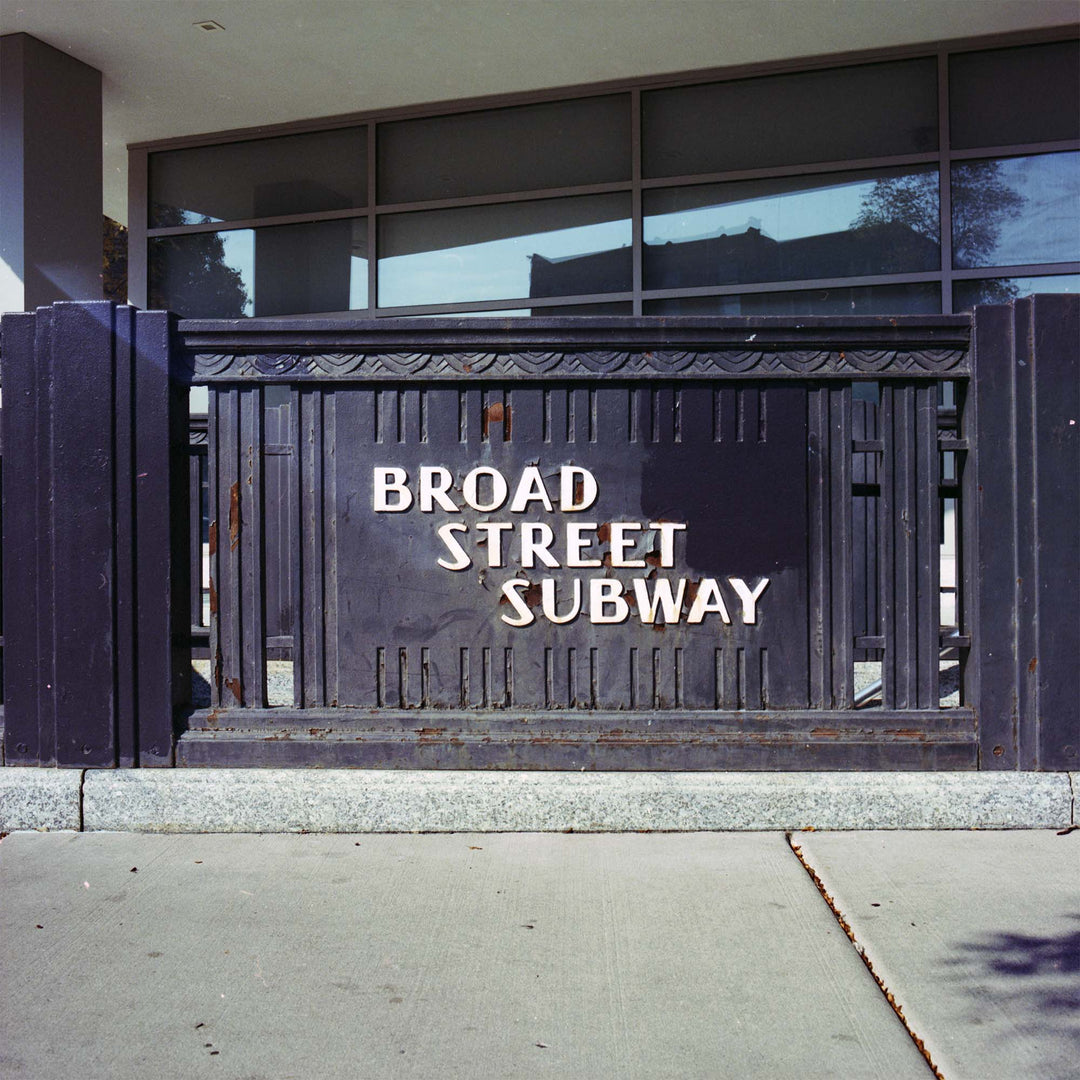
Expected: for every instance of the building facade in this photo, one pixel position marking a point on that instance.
(910, 181)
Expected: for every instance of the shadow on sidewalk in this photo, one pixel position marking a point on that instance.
(1035, 979)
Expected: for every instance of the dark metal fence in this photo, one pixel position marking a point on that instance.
(279, 501)
(414, 645)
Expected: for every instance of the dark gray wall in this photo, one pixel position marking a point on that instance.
(50, 173)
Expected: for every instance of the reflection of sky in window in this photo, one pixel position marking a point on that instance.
(1047, 227)
(1051, 283)
(785, 216)
(239, 247)
(492, 270)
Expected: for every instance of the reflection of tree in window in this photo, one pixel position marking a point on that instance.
(189, 274)
(981, 203)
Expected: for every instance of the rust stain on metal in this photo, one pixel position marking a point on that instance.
(234, 687)
(533, 596)
(825, 733)
(1033, 665)
(217, 667)
(213, 598)
(653, 558)
(496, 413)
(579, 491)
(603, 534)
(234, 515)
(213, 537)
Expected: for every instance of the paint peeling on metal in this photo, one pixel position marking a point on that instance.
(234, 515)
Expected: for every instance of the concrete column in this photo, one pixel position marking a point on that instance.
(50, 176)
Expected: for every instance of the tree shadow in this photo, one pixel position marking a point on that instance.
(1033, 978)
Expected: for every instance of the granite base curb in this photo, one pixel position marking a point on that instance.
(40, 799)
(283, 800)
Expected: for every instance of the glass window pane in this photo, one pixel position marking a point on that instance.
(792, 228)
(623, 307)
(1011, 211)
(291, 174)
(551, 247)
(553, 144)
(923, 298)
(619, 308)
(851, 112)
(1023, 95)
(966, 294)
(278, 270)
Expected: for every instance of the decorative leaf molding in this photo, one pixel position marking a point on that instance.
(575, 364)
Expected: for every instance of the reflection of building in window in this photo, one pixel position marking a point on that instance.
(748, 256)
(569, 274)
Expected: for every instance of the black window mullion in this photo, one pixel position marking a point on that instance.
(372, 229)
(636, 216)
(945, 181)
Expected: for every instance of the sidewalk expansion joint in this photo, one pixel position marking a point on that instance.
(857, 945)
(82, 797)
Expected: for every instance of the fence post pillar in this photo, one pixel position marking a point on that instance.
(95, 582)
(1023, 561)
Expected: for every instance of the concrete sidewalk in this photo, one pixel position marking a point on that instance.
(520, 954)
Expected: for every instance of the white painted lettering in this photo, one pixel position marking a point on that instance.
(493, 530)
(667, 530)
(579, 536)
(548, 601)
(606, 603)
(461, 560)
(523, 616)
(708, 599)
(435, 482)
(749, 599)
(621, 543)
(569, 478)
(387, 481)
(530, 489)
(470, 489)
(661, 599)
(536, 541)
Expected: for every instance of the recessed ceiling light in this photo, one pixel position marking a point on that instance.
(208, 25)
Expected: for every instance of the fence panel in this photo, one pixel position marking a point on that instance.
(415, 645)
(95, 574)
(628, 542)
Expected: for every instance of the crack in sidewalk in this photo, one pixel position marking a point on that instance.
(846, 927)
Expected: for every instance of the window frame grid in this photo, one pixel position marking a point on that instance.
(635, 185)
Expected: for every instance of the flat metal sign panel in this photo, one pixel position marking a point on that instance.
(617, 546)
